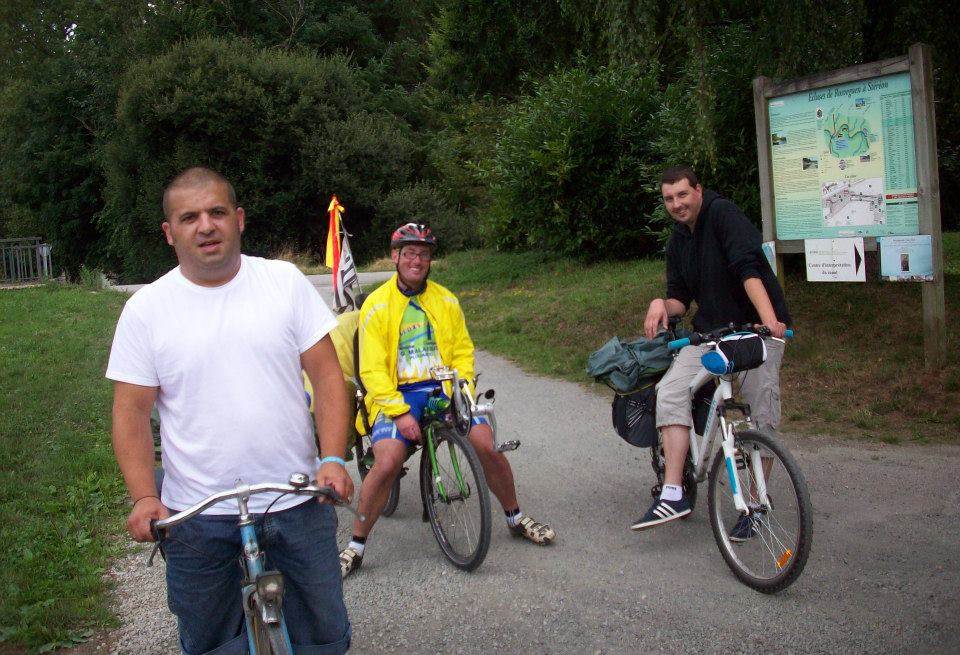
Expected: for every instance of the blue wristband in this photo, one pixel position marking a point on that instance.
(338, 460)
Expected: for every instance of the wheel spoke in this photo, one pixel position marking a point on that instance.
(769, 551)
(461, 520)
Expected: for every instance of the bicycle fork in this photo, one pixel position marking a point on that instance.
(755, 476)
(435, 471)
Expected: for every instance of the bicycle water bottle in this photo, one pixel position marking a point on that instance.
(437, 404)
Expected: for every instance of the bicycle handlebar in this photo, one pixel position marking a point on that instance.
(698, 338)
(156, 526)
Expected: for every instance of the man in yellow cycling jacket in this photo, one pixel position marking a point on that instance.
(407, 326)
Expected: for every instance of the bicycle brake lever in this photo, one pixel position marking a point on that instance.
(153, 553)
(338, 500)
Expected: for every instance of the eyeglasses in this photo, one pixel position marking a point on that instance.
(410, 256)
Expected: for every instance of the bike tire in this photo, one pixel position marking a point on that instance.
(774, 554)
(278, 642)
(358, 454)
(689, 487)
(268, 638)
(461, 523)
(394, 498)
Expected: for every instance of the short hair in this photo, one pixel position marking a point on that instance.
(676, 173)
(196, 176)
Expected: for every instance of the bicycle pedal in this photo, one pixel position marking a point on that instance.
(508, 446)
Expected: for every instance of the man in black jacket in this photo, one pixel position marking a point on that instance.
(713, 258)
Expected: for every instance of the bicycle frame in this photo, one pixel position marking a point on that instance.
(266, 586)
(261, 590)
(719, 427)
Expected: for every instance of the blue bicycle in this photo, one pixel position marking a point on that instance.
(262, 591)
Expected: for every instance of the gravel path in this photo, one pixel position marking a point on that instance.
(882, 576)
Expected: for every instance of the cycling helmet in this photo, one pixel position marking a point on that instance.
(413, 233)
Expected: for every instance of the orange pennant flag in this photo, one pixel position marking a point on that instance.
(332, 256)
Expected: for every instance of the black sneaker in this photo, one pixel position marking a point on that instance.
(663, 511)
(743, 530)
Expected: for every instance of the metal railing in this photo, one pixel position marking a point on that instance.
(24, 260)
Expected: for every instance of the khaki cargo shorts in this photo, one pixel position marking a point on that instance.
(760, 387)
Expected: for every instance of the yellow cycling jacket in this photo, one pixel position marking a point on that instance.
(342, 337)
(379, 328)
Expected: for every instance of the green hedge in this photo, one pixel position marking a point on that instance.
(288, 129)
(575, 169)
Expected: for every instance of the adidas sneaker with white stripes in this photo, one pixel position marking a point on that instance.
(663, 511)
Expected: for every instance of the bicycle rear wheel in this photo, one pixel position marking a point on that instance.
(361, 456)
(456, 499)
(768, 549)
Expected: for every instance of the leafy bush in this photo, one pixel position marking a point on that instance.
(288, 130)
(575, 171)
(465, 136)
(49, 182)
(421, 203)
(362, 158)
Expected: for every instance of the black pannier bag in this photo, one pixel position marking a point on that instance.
(635, 416)
(701, 406)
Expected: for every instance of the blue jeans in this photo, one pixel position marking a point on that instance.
(204, 577)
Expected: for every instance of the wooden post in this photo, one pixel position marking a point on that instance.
(928, 203)
(765, 168)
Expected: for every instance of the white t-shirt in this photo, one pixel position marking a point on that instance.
(227, 364)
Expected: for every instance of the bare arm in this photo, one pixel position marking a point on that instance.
(133, 447)
(659, 313)
(761, 302)
(331, 412)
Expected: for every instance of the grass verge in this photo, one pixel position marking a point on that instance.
(61, 496)
(856, 368)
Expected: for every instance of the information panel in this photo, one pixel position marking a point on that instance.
(843, 160)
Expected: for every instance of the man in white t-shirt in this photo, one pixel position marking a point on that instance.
(218, 344)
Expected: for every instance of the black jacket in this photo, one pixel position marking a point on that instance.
(710, 265)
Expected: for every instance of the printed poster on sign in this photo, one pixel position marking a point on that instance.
(843, 160)
(835, 260)
(906, 259)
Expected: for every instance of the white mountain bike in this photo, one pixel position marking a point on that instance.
(758, 502)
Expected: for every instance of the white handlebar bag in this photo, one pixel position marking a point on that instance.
(736, 352)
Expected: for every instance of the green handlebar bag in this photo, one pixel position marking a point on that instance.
(626, 367)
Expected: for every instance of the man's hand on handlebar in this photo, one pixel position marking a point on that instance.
(408, 427)
(144, 511)
(777, 329)
(335, 476)
(657, 318)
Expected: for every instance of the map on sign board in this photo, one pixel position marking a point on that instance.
(843, 160)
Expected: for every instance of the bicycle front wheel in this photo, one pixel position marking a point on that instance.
(268, 638)
(768, 548)
(456, 499)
